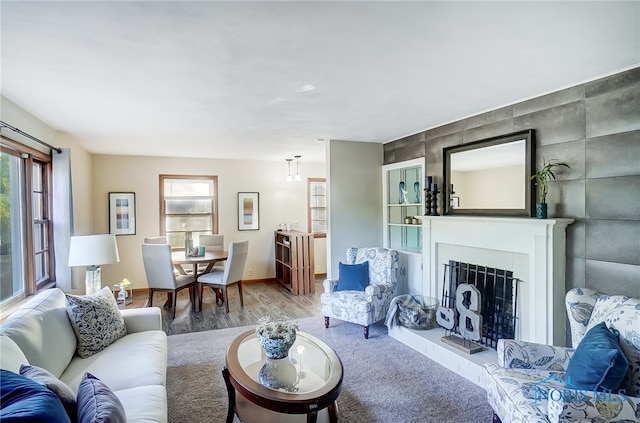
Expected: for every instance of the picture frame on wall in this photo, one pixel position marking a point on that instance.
(122, 213)
(248, 211)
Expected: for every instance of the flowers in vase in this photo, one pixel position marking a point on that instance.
(282, 328)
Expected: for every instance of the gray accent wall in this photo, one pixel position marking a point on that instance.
(354, 195)
(594, 127)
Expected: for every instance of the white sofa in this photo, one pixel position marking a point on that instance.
(133, 367)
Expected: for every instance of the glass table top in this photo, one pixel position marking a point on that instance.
(306, 369)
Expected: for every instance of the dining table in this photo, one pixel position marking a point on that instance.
(210, 258)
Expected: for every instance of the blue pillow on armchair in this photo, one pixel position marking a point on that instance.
(598, 362)
(353, 277)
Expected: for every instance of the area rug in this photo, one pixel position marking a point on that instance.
(384, 380)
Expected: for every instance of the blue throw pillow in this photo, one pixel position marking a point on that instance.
(98, 403)
(598, 362)
(353, 277)
(24, 400)
(44, 377)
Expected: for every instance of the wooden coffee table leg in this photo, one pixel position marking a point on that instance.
(333, 413)
(312, 415)
(232, 395)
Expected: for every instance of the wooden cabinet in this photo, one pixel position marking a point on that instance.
(294, 261)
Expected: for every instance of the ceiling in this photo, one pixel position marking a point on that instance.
(266, 80)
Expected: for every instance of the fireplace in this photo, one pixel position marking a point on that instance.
(532, 249)
(498, 290)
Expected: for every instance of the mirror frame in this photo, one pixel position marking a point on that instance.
(530, 157)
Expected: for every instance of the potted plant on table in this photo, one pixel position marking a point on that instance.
(276, 336)
(541, 178)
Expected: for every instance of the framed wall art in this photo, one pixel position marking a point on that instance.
(248, 211)
(122, 213)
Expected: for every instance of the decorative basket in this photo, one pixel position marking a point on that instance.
(417, 312)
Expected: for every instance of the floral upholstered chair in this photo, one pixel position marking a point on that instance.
(368, 303)
(531, 382)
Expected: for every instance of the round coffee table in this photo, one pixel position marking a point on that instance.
(307, 382)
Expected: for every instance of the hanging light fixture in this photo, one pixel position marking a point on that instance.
(297, 178)
(289, 178)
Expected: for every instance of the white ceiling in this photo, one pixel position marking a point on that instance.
(230, 79)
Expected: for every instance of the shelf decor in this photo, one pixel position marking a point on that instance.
(122, 213)
(248, 211)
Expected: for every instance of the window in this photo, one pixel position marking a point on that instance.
(317, 205)
(188, 203)
(26, 253)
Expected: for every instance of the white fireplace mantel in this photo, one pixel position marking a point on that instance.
(540, 243)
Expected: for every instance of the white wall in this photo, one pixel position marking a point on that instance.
(280, 202)
(354, 195)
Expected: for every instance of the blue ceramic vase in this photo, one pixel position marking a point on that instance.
(276, 348)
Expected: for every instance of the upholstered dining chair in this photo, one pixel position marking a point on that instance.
(364, 289)
(158, 267)
(231, 274)
(156, 240)
(212, 243)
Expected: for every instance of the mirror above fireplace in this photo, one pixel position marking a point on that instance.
(491, 176)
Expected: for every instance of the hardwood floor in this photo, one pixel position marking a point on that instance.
(260, 299)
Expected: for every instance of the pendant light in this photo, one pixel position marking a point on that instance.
(289, 178)
(297, 178)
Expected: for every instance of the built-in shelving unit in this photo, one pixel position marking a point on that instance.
(403, 197)
(294, 261)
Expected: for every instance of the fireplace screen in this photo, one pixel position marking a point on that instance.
(498, 291)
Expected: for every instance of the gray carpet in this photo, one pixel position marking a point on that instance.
(384, 380)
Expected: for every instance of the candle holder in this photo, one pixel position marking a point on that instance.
(434, 203)
(427, 202)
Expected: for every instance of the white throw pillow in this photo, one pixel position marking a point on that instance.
(96, 320)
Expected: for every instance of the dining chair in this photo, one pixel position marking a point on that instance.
(156, 240)
(158, 267)
(212, 243)
(232, 274)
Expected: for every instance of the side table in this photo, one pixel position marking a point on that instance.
(136, 303)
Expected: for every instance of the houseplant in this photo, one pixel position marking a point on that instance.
(541, 178)
(276, 336)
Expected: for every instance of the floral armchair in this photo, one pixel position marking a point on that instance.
(368, 306)
(528, 384)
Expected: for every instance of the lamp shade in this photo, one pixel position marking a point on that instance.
(93, 250)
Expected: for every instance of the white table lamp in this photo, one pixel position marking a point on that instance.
(92, 251)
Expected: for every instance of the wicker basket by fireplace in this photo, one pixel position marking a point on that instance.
(417, 312)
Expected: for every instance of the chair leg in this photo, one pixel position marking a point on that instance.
(200, 289)
(150, 299)
(225, 298)
(192, 296)
(240, 292)
(326, 322)
(174, 297)
(366, 332)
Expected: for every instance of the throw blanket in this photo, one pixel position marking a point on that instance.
(402, 302)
